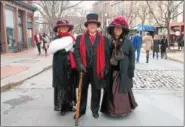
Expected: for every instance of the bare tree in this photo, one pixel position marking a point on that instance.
(130, 13)
(165, 11)
(83, 14)
(51, 11)
(142, 12)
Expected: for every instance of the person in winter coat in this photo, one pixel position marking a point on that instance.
(147, 45)
(38, 40)
(137, 43)
(64, 80)
(92, 56)
(156, 46)
(164, 45)
(179, 41)
(46, 42)
(118, 99)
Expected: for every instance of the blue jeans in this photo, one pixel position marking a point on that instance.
(138, 54)
(154, 52)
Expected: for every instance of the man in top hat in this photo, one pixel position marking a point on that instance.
(92, 56)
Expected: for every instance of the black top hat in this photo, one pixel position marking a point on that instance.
(63, 23)
(92, 18)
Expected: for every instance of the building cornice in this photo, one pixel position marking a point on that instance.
(21, 3)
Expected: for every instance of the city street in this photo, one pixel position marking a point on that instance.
(158, 89)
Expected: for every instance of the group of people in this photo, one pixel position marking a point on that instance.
(149, 43)
(42, 41)
(107, 64)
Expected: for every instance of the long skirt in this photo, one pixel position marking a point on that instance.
(65, 98)
(114, 103)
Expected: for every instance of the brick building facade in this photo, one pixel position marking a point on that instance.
(16, 21)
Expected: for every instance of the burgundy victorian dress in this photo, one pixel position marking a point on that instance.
(116, 102)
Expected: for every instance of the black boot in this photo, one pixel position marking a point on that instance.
(57, 108)
(62, 113)
(95, 115)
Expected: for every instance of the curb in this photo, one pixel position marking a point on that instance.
(175, 60)
(14, 84)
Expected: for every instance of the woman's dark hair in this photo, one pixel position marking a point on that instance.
(113, 35)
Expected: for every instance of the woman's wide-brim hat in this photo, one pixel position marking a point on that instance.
(119, 21)
(62, 23)
(92, 18)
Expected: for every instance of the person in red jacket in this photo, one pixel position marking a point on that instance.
(38, 40)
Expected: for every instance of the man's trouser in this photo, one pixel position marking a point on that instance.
(155, 52)
(95, 93)
(163, 53)
(38, 47)
(138, 50)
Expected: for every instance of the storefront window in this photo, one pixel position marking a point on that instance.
(21, 37)
(10, 29)
(29, 30)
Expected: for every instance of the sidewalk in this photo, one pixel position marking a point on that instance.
(176, 56)
(17, 67)
(173, 54)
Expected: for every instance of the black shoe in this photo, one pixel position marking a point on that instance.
(95, 115)
(56, 108)
(62, 113)
(79, 116)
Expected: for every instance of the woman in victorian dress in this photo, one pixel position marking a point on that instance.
(118, 99)
(64, 68)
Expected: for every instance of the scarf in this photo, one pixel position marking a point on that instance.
(117, 51)
(71, 54)
(100, 57)
(66, 34)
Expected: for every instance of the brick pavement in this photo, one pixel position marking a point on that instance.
(17, 67)
(158, 79)
(14, 63)
(7, 71)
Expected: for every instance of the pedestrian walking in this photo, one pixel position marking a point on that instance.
(137, 43)
(156, 46)
(92, 55)
(147, 45)
(63, 68)
(179, 41)
(46, 42)
(164, 45)
(38, 40)
(118, 99)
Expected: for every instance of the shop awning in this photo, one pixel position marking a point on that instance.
(33, 8)
(145, 27)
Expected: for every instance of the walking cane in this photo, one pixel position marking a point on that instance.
(79, 99)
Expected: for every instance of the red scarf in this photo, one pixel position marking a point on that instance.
(71, 54)
(66, 34)
(100, 56)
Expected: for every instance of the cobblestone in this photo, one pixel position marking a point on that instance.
(156, 79)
